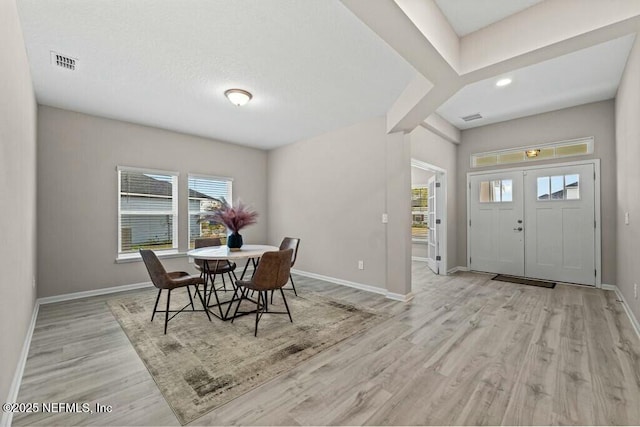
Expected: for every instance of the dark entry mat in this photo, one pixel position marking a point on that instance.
(523, 281)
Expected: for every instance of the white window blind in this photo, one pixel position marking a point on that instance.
(147, 211)
(205, 194)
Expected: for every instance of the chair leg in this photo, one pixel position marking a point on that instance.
(191, 299)
(255, 334)
(293, 285)
(155, 307)
(272, 296)
(224, 283)
(286, 305)
(166, 317)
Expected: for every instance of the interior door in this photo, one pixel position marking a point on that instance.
(432, 237)
(496, 229)
(560, 220)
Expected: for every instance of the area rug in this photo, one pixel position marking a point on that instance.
(523, 281)
(200, 365)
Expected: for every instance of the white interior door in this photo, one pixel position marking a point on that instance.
(496, 230)
(560, 224)
(432, 237)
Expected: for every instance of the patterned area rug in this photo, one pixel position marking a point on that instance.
(200, 365)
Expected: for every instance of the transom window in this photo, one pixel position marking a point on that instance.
(496, 191)
(147, 211)
(205, 194)
(559, 187)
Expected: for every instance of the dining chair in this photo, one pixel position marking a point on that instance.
(170, 281)
(215, 268)
(290, 243)
(271, 274)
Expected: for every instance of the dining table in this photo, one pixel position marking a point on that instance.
(212, 256)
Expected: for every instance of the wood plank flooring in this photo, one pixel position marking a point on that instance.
(465, 350)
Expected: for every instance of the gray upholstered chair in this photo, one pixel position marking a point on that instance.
(215, 268)
(272, 274)
(170, 281)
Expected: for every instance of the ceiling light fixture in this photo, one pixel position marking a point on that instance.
(238, 97)
(532, 153)
(503, 82)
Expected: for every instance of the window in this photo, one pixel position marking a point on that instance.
(498, 190)
(559, 187)
(206, 193)
(419, 211)
(147, 211)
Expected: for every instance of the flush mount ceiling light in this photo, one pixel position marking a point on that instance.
(238, 97)
(503, 82)
(532, 153)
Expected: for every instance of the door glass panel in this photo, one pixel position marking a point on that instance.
(572, 187)
(557, 187)
(543, 188)
(507, 190)
(495, 191)
(484, 192)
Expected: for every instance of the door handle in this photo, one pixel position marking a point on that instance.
(517, 229)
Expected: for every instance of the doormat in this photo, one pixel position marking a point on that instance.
(523, 281)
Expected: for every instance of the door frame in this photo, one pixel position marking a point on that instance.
(442, 235)
(596, 201)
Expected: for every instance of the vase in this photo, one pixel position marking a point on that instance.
(234, 241)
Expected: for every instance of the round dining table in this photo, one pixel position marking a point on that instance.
(217, 254)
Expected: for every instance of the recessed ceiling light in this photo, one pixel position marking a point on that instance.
(238, 97)
(503, 82)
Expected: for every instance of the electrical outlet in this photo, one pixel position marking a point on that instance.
(635, 290)
(360, 265)
(385, 218)
(626, 218)
(33, 283)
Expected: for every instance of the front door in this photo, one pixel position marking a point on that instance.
(537, 223)
(496, 223)
(560, 224)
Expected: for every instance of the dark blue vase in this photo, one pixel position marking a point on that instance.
(234, 241)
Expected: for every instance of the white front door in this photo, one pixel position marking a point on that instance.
(537, 223)
(560, 224)
(432, 236)
(496, 223)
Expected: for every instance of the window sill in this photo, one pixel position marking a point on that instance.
(419, 240)
(135, 257)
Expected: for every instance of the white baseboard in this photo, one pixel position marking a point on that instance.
(356, 285)
(93, 293)
(630, 315)
(12, 397)
(458, 268)
(399, 297)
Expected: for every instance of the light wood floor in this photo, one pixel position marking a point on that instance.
(465, 350)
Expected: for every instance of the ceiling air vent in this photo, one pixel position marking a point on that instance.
(63, 61)
(475, 116)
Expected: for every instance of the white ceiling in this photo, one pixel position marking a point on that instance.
(584, 76)
(311, 65)
(467, 16)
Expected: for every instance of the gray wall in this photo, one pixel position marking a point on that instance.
(596, 119)
(330, 192)
(628, 174)
(77, 194)
(17, 193)
(430, 148)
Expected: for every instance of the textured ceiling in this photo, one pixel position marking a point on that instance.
(311, 65)
(584, 76)
(467, 16)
